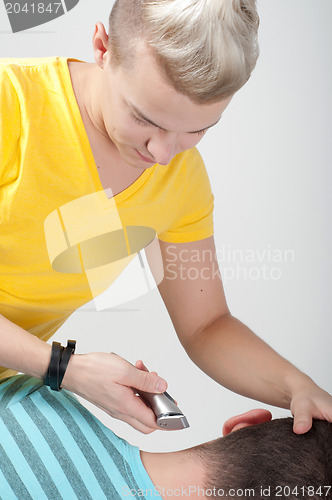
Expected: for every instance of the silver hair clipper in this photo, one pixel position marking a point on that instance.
(169, 416)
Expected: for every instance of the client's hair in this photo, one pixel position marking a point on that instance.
(206, 49)
(271, 455)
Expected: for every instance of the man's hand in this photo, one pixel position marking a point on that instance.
(109, 382)
(307, 403)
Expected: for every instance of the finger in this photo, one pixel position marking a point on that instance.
(145, 381)
(302, 418)
(141, 366)
(134, 406)
(139, 426)
(133, 422)
(134, 411)
(302, 424)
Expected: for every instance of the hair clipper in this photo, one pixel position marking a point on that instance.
(169, 416)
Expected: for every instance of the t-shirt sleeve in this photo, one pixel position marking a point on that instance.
(10, 124)
(194, 220)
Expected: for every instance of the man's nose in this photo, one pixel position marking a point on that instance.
(163, 146)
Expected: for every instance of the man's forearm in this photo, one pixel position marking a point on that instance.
(21, 351)
(230, 353)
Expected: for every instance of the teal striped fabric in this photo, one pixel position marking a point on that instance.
(53, 448)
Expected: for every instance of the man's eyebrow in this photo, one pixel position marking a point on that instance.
(141, 115)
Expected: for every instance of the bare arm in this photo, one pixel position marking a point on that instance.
(21, 351)
(223, 347)
(102, 378)
(249, 366)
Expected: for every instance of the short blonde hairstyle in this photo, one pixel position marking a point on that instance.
(206, 49)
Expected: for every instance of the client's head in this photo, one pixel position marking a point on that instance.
(258, 458)
(269, 455)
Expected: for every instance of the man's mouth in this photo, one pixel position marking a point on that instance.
(144, 158)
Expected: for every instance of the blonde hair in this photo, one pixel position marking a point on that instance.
(206, 49)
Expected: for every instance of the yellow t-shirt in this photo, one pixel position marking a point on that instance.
(45, 163)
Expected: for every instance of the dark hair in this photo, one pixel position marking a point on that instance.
(271, 455)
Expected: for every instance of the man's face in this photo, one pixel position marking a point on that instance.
(147, 120)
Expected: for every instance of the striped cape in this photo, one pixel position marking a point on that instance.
(53, 448)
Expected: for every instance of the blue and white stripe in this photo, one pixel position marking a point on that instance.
(53, 448)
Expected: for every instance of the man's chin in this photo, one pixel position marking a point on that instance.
(136, 164)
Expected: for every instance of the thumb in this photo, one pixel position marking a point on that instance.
(302, 418)
(148, 382)
(302, 424)
(141, 366)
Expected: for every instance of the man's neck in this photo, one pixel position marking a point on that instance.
(87, 82)
(175, 474)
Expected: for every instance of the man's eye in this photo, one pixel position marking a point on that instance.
(201, 132)
(140, 120)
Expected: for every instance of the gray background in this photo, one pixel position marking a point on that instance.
(269, 164)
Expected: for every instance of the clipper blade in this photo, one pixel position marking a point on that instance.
(172, 422)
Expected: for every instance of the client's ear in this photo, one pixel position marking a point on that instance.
(251, 417)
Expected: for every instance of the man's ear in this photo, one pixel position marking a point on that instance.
(100, 44)
(251, 417)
